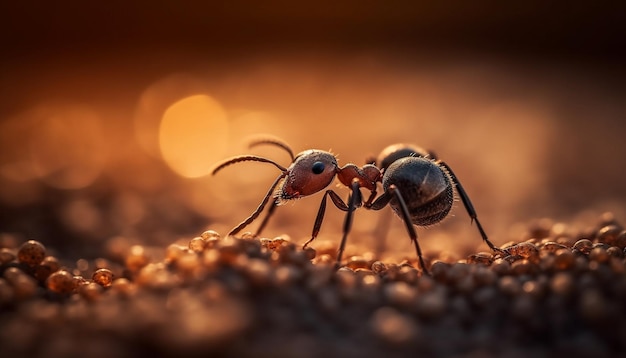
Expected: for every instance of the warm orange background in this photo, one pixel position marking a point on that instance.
(111, 114)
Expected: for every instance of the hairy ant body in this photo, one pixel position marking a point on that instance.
(418, 187)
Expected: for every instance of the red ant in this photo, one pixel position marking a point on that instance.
(417, 186)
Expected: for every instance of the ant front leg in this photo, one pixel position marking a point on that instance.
(259, 209)
(383, 200)
(354, 201)
(471, 211)
(322, 210)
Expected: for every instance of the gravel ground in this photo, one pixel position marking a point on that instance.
(556, 294)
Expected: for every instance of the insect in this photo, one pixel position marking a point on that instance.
(418, 187)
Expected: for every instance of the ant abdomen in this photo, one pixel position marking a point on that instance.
(396, 151)
(425, 186)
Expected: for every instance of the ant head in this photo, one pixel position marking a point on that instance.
(310, 172)
(397, 151)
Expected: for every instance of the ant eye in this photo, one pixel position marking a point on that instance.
(317, 167)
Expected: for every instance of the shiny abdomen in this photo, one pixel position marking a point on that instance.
(425, 186)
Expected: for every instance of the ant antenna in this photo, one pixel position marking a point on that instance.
(272, 141)
(247, 158)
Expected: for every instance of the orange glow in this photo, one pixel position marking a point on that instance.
(193, 135)
(155, 100)
(66, 146)
(15, 164)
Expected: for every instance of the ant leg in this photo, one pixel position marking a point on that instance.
(382, 226)
(383, 200)
(354, 201)
(471, 211)
(260, 208)
(370, 199)
(320, 213)
(380, 202)
(266, 219)
(318, 220)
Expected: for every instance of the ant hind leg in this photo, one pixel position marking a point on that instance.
(471, 211)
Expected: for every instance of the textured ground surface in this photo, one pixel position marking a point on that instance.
(558, 294)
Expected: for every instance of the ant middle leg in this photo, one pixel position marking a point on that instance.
(354, 201)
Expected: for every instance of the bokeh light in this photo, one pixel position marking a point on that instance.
(61, 145)
(193, 135)
(67, 147)
(155, 100)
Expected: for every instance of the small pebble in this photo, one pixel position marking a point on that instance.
(583, 245)
(197, 244)
(400, 294)
(103, 277)
(31, 253)
(6, 256)
(562, 283)
(137, 258)
(393, 327)
(61, 282)
(432, 304)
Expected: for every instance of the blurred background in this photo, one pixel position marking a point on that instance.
(113, 113)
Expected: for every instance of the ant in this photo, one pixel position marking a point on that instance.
(418, 187)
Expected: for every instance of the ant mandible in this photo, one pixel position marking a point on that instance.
(417, 186)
